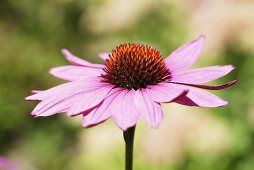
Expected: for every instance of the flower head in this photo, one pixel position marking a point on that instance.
(133, 82)
(135, 66)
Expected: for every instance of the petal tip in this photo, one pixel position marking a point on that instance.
(28, 98)
(54, 71)
(64, 50)
(34, 114)
(66, 53)
(233, 82)
(201, 38)
(51, 71)
(229, 84)
(200, 41)
(223, 104)
(230, 67)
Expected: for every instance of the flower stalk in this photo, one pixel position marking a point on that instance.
(129, 139)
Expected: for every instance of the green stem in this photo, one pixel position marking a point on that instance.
(129, 138)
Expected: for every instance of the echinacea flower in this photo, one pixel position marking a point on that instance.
(132, 83)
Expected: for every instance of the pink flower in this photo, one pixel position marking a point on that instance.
(7, 164)
(132, 83)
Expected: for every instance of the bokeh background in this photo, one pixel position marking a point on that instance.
(32, 32)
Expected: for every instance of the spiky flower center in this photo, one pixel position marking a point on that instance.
(135, 66)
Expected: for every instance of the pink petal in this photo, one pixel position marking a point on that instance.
(185, 101)
(201, 75)
(150, 110)
(63, 97)
(104, 56)
(72, 73)
(89, 100)
(164, 92)
(201, 98)
(102, 112)
(78, 61)
(57, 104)
(210, 87)
(77, 85)
(124, 111)
(186, 55)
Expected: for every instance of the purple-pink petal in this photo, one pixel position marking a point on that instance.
(186, 55)
(64, 96)
(74, 59)
(210, 87)
(201, 98)
(184, 100)
(70, 86)
(89, 100)
(55, 104)
(73, 73)
(103, 111)
(78, 61)
(125, 113)
(164, 92)
(148, 109)
(200, 75)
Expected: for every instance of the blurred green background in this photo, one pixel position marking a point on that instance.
(32, 32)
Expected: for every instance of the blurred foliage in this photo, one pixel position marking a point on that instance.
(32, 32)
